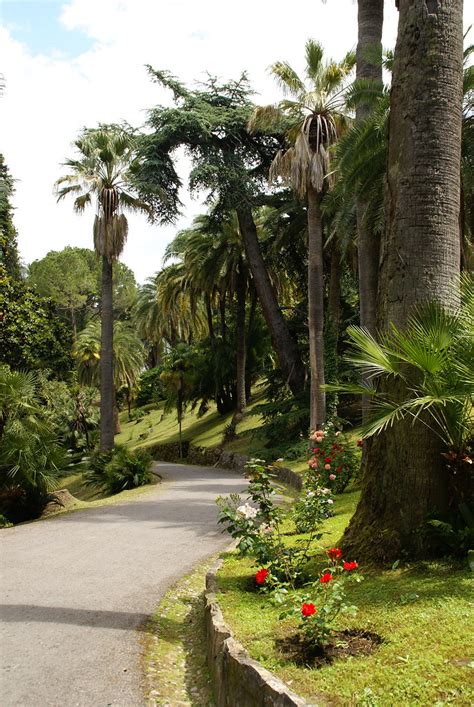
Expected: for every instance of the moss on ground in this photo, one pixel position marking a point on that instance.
(175, 662)
(423, 612)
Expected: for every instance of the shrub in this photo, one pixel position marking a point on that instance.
(320, 604)
(119, 469)
(258, 529)
(333, 460)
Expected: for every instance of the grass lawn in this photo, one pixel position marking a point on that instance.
(423, 612)
(206, 431)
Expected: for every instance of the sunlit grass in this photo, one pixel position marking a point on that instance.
(423, 613)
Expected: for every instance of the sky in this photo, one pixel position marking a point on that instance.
(68, 65)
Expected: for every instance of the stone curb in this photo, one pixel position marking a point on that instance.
(238, 680)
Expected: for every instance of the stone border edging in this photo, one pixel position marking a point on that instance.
(238, 680)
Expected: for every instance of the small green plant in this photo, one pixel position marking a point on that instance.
(4, 522)
(119, 470)
(313, 506)
(322, 601)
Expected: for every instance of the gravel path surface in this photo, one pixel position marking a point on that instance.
(76, 589)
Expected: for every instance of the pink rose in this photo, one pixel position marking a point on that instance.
(332, 476)
(327, 467)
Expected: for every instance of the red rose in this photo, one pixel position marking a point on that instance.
(339, 469)
(335, 553)
(334, 446)
(348, 566)
(327, 577)
(360, 442)
(328, 460)
(308, 609)
(261, 576)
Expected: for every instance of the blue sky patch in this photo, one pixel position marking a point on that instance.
(36, 24)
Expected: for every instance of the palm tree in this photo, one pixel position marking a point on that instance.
(368, 68)
(215, 261)
(102, 173)
(315, 118)
(128, 356)
(419, 262)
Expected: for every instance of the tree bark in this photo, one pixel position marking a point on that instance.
(222, 299)
(107, 425)
(316, 309)
(250, 324)
(405, 480)
(241, 343)
(369, 68)
(210, 324)
(283, 343)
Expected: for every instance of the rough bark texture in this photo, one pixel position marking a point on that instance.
(404, 480)
(368, 67)
(334, 296)
(107, 423)
(283, 343)
(241, 343)
(316, 309)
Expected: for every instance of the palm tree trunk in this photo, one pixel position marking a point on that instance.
(283, 343)
(405, 479)
(369, 67)
(241, 343)
(106, 360)
(210, 324)
(316, 309)
(253, 309)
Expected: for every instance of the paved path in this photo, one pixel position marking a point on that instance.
(75, 589)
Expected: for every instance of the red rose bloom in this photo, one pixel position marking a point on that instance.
(308, 609)
(360, 442)
(328, 460)
(348, 566)
(335, 553)
(261, 576)
(327, 577)
(339, 469)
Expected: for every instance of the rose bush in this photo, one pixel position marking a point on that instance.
(323, 600)
(332, 458)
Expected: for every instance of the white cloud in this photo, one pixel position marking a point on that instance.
(48, 99)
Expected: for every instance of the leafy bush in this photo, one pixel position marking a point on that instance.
(31, 460)
(333, 461)
(119, 469)
(258, 529)
(150, 387)
(323, 600)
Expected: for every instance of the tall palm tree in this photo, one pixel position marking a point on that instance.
(368, 68)
(214, 259)
(314, 116)
(102, 173)
(420, 260)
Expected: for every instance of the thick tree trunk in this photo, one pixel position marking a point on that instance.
(316, 309)
(405, 480)
(241, 343)
(107, 424)
(283, 343)
(368, 68)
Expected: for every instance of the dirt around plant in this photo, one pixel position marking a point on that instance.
(350, 643)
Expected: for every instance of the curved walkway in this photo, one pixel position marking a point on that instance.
(75, 589)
